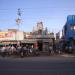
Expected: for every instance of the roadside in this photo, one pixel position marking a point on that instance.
(68, 55)
(41, 58)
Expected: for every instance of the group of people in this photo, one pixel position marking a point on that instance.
(24, 50)
(6, 49)
(17, 50)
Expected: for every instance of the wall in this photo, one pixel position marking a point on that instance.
(19, 35)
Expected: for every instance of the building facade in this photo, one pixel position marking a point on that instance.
(68, 39)
(11, 36)
(39, 37)
(69, 28)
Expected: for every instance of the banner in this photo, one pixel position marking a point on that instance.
(6, 35)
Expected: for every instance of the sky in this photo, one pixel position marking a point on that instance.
(53, 13)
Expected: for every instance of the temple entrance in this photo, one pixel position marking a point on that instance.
(40, 45)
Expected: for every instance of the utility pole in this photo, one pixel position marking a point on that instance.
(18, 20)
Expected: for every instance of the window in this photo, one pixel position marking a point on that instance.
(73, 27)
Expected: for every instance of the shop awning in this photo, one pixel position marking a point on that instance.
(28, 41)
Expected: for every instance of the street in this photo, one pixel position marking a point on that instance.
(45, 65)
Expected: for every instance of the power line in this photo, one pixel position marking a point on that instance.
(37, 8)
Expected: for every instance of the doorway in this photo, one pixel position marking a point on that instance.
(40, 45)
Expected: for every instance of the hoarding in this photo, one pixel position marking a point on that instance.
(7, 36)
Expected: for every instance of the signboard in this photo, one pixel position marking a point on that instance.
(29, 36)
(7, 36)
(8, 42)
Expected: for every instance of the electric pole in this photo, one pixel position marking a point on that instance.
(18, 20)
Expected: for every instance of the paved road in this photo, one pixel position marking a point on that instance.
(37, 66)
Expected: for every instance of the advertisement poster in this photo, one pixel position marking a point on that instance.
(7, 36)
